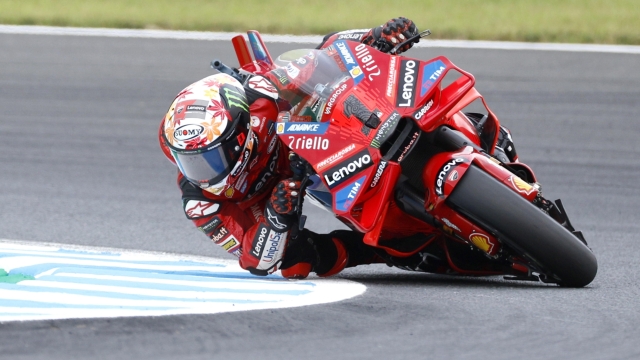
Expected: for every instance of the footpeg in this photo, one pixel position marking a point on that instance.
(522, 278)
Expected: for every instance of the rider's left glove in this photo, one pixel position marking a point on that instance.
(385, 37)
(282, 205)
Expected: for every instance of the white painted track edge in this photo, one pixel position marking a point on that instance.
(308, 39)
(92, 248)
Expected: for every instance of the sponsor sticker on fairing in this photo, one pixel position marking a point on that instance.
(385, 130)
(442, 174)
(423, 110)
(405, 95)
(303, 128)
(391, 78)
(367, 61)
(349, 61)
(408, 145)
(346, 196)
(430, 74)
(448, 223)
(307, 143)
(347, 169)
(329, 107)
(483, 242)
(521, 185)
(379, 172)
(335, 157)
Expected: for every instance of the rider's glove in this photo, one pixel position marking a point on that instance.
(386, 37)
(282, 205)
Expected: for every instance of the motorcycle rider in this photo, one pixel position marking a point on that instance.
(238, 185)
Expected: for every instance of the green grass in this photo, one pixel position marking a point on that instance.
(577, 21)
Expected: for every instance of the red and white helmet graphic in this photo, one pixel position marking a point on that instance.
(207, 132)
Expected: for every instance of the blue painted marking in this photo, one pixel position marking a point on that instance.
(40, 282)
(60, 254)
(164, 287)
(29, 305)
(121, 296)
(207, 277)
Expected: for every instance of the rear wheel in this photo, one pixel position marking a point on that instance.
(523, 227)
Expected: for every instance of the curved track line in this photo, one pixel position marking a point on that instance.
(55, 281)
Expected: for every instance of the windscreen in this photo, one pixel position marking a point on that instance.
(311, 84)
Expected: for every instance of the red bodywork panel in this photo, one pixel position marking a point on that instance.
(348, 153)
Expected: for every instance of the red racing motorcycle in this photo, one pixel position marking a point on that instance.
(387, 141)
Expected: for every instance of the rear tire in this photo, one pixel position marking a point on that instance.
(523, 227)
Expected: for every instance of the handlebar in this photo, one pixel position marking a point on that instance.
(302, 170)
(218, 65)
(417, 37)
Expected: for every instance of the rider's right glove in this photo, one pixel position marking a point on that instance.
(281, 208)
(386, 37)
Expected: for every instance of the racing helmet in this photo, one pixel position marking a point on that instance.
(207, 132)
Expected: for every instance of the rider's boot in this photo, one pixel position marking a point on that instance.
(324, 254)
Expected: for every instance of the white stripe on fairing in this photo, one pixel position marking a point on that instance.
(65, 290)
(310, 39)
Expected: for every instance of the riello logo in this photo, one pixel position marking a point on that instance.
(188, 132)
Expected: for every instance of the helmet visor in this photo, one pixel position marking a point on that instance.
(210, 167)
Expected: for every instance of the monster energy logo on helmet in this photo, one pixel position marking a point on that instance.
(236, 103)
(234, 97)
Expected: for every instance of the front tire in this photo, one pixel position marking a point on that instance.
(522, 226)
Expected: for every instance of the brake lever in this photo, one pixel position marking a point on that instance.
(304, 180)
(417, 36)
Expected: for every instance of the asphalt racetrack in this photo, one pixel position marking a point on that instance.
(81, 165)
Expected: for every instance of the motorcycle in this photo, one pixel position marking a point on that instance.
(383, 137)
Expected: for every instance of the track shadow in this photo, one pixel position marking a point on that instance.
(441, 281)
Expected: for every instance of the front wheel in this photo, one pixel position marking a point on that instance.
(523, 227)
